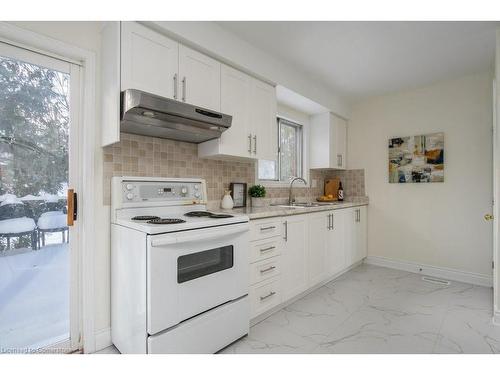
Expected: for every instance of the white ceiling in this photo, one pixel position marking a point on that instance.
(361, 59)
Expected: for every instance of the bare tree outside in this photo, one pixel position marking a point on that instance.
(34, 129)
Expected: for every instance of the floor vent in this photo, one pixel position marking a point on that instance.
(435, 281)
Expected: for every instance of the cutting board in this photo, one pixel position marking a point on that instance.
(332, 187)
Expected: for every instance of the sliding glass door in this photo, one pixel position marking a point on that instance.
(39, 100)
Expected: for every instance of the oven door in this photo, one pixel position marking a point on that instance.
(194, 271)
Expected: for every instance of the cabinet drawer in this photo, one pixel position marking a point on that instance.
(265, 296)
(265, 269)
(265, 249)
(261, 229)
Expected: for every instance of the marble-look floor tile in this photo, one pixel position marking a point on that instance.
(374, 309)
(268, 337)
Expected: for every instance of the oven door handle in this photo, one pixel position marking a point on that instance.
(193, 237)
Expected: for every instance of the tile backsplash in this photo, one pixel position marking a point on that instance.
(137, 155)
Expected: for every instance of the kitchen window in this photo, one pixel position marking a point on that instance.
(290, 153)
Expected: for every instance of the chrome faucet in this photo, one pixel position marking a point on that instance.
(291, 200)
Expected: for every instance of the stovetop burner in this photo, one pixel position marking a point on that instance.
(166, 221)
(220, 216)
(207, 214)
(198, 214)
(145, 218)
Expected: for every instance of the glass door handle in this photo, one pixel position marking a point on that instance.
(72, 207)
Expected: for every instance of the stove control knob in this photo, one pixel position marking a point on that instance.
(129, 186)
(184, 190)
(197, 195)
(130, 196)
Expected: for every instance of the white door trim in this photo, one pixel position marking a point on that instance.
(496, 184)
(86, 59)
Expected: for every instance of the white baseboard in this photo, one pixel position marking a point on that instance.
(103, 339)
(424, 269)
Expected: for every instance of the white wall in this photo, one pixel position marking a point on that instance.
(439, 224)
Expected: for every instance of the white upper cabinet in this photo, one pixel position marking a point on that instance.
(253, 132)
(263, 121)
(136, 57)
(200, 79)
(235, 100)
(149, 61)
(328, 141)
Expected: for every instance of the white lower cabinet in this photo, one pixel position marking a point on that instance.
(295, 279)
(317, 255)
(355, 234)
(292, 254)
(266, 244)
(336, 243)
(264, 296)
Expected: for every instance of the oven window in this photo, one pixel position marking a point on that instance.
(193, 266)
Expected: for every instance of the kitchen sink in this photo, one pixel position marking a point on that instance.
(297, 205)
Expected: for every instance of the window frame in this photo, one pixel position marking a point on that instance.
(299, 147)
(301, 150)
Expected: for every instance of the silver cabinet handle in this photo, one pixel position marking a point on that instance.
(267, 228)
(328, 225)
(339, 160)
(268, 269)
(175, 86)
(333, 227)
(286, 230)
(262, 298)
(255, 144)
(267, 249)
(250, 143)
(184, 89)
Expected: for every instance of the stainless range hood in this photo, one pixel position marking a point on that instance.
(155, 116)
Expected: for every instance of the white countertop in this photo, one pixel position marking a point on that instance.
(272, 211)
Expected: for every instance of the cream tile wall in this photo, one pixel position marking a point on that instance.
(137, 155)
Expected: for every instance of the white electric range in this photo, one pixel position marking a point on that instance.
(179, 274)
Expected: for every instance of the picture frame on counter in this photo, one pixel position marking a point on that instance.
(239, 194)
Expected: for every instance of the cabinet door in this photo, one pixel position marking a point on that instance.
(336, 243)
(360, 234)
(334, 159)
(356, 235)
(319, 229)
(149, 61)
(350, 236)
(295, 256)
(341, 143)
(199, 79)
(263, 124)
(235, 97)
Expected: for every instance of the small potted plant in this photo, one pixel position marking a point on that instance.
(257, 192)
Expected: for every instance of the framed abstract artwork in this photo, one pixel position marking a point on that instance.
(416, 159)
